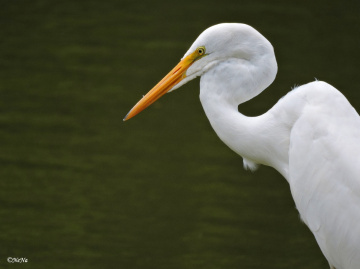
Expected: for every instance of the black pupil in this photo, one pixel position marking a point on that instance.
(200, 51)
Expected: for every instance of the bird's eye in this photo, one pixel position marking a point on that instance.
(201, 51)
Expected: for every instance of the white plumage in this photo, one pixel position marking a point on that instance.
(311, 136)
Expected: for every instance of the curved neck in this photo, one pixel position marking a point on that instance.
(251, 137)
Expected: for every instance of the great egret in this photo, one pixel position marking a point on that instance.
(311, 136)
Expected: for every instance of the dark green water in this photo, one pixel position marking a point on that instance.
(79, 188)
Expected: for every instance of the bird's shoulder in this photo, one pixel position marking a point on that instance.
(325, 133)
(317, 105)
(317, 96)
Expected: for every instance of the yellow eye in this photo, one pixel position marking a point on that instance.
(201, 51)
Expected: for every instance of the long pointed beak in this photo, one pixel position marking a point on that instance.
(167, 83)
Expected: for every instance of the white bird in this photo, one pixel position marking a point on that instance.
(311, 136)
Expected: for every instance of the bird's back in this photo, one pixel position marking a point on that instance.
(324, 171)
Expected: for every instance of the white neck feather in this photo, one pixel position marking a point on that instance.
(222, 89)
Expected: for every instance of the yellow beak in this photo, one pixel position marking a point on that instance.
(168, 82)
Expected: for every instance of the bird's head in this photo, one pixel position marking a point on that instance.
(216, 44)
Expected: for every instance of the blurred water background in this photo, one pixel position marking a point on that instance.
(79, 188)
